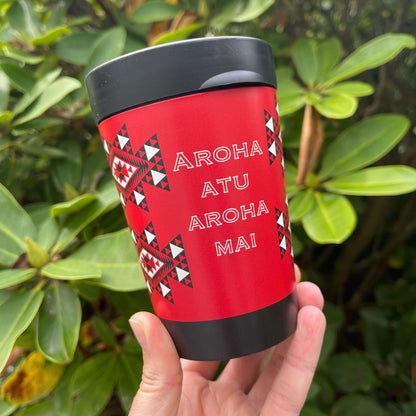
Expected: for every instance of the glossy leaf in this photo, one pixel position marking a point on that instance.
(71, 269)
(252, 10)
(22, 18)
(44, 408)
(357, 405)
(329, 52)
(99, 372)
(35, 90)
(337, 106)
(6, 408)
(51, 36)
(290, 177)
(15, 225)
(300, 205)
(4, 91)
(20, 55)
(48, 233)
(107, 198)
(116, 256)
(374, 53)
(69, 170)
(58, 323)
(353, 88)
(73, 206)
(290, 104)
(109, 45)
(33, 380)
(5, 116)
(380, 180)
(363, 143)
(154, 11)
(305, 58)
(75, 48)
(52, 94)
(182, 33)
(21, 78)
(130, 368)
(332, 220)
(13, 277)
(104, 332)
(17, 312)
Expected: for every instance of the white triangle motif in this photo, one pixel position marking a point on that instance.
(272, 148)
(181, 274)
(139, 197)
(150, 151)
(281, 220)
(157, 176)
(123, 140)
(165, 290)
(106, 146)
(175, 250)
(149, 236)
(283, 243)
(270, 125)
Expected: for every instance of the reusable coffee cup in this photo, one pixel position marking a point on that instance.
(192, 136)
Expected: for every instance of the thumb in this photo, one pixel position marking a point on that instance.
(161, 386)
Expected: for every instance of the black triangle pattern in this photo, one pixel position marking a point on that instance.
(283, 232)
(274, 144)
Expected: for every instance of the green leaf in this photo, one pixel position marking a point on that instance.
(75, 48)
(309, 411)
(58, 323)
(37, 88)
(350, 372)
(6, 408)
(36, 254)
(99, 372)
(154, 11)
(363, 143)
(305, 58)
(332, 220)
(226, 13)
(71, 269)
(15, 225)
(45, 408)
(291, 174)
(353, 88)
(329, 53)
(252, 10)
(287, 87)
(337, 106)
(48, 233)
(107, 198)
(51, 36)
(104, 332)
(13, 277)
(372, 54)
(380, 180)
(20, 55)
(21, 78)
(182, 33)
(130, 368)
(300, 205)
(117, 258)
(290, 104)
(109, 45)
(357, 405)
(22, 18)
(69, 170)
(17, 312)
(5, 116)
(4, 91)
(49, 97)
(73, 206)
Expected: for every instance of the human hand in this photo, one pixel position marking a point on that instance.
(268, 383)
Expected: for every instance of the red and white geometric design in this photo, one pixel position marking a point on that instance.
(161, 265)
(283, 232)
(274, 138)
(130, 170)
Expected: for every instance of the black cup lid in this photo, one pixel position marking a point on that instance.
(178, 68)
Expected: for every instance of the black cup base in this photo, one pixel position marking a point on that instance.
(222, 339)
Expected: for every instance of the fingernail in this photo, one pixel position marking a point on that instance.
(139, 332)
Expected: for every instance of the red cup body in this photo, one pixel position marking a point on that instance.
(201, 181)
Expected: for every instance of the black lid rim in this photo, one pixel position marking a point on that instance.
(178, 68)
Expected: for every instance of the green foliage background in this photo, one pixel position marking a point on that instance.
(346, 75)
